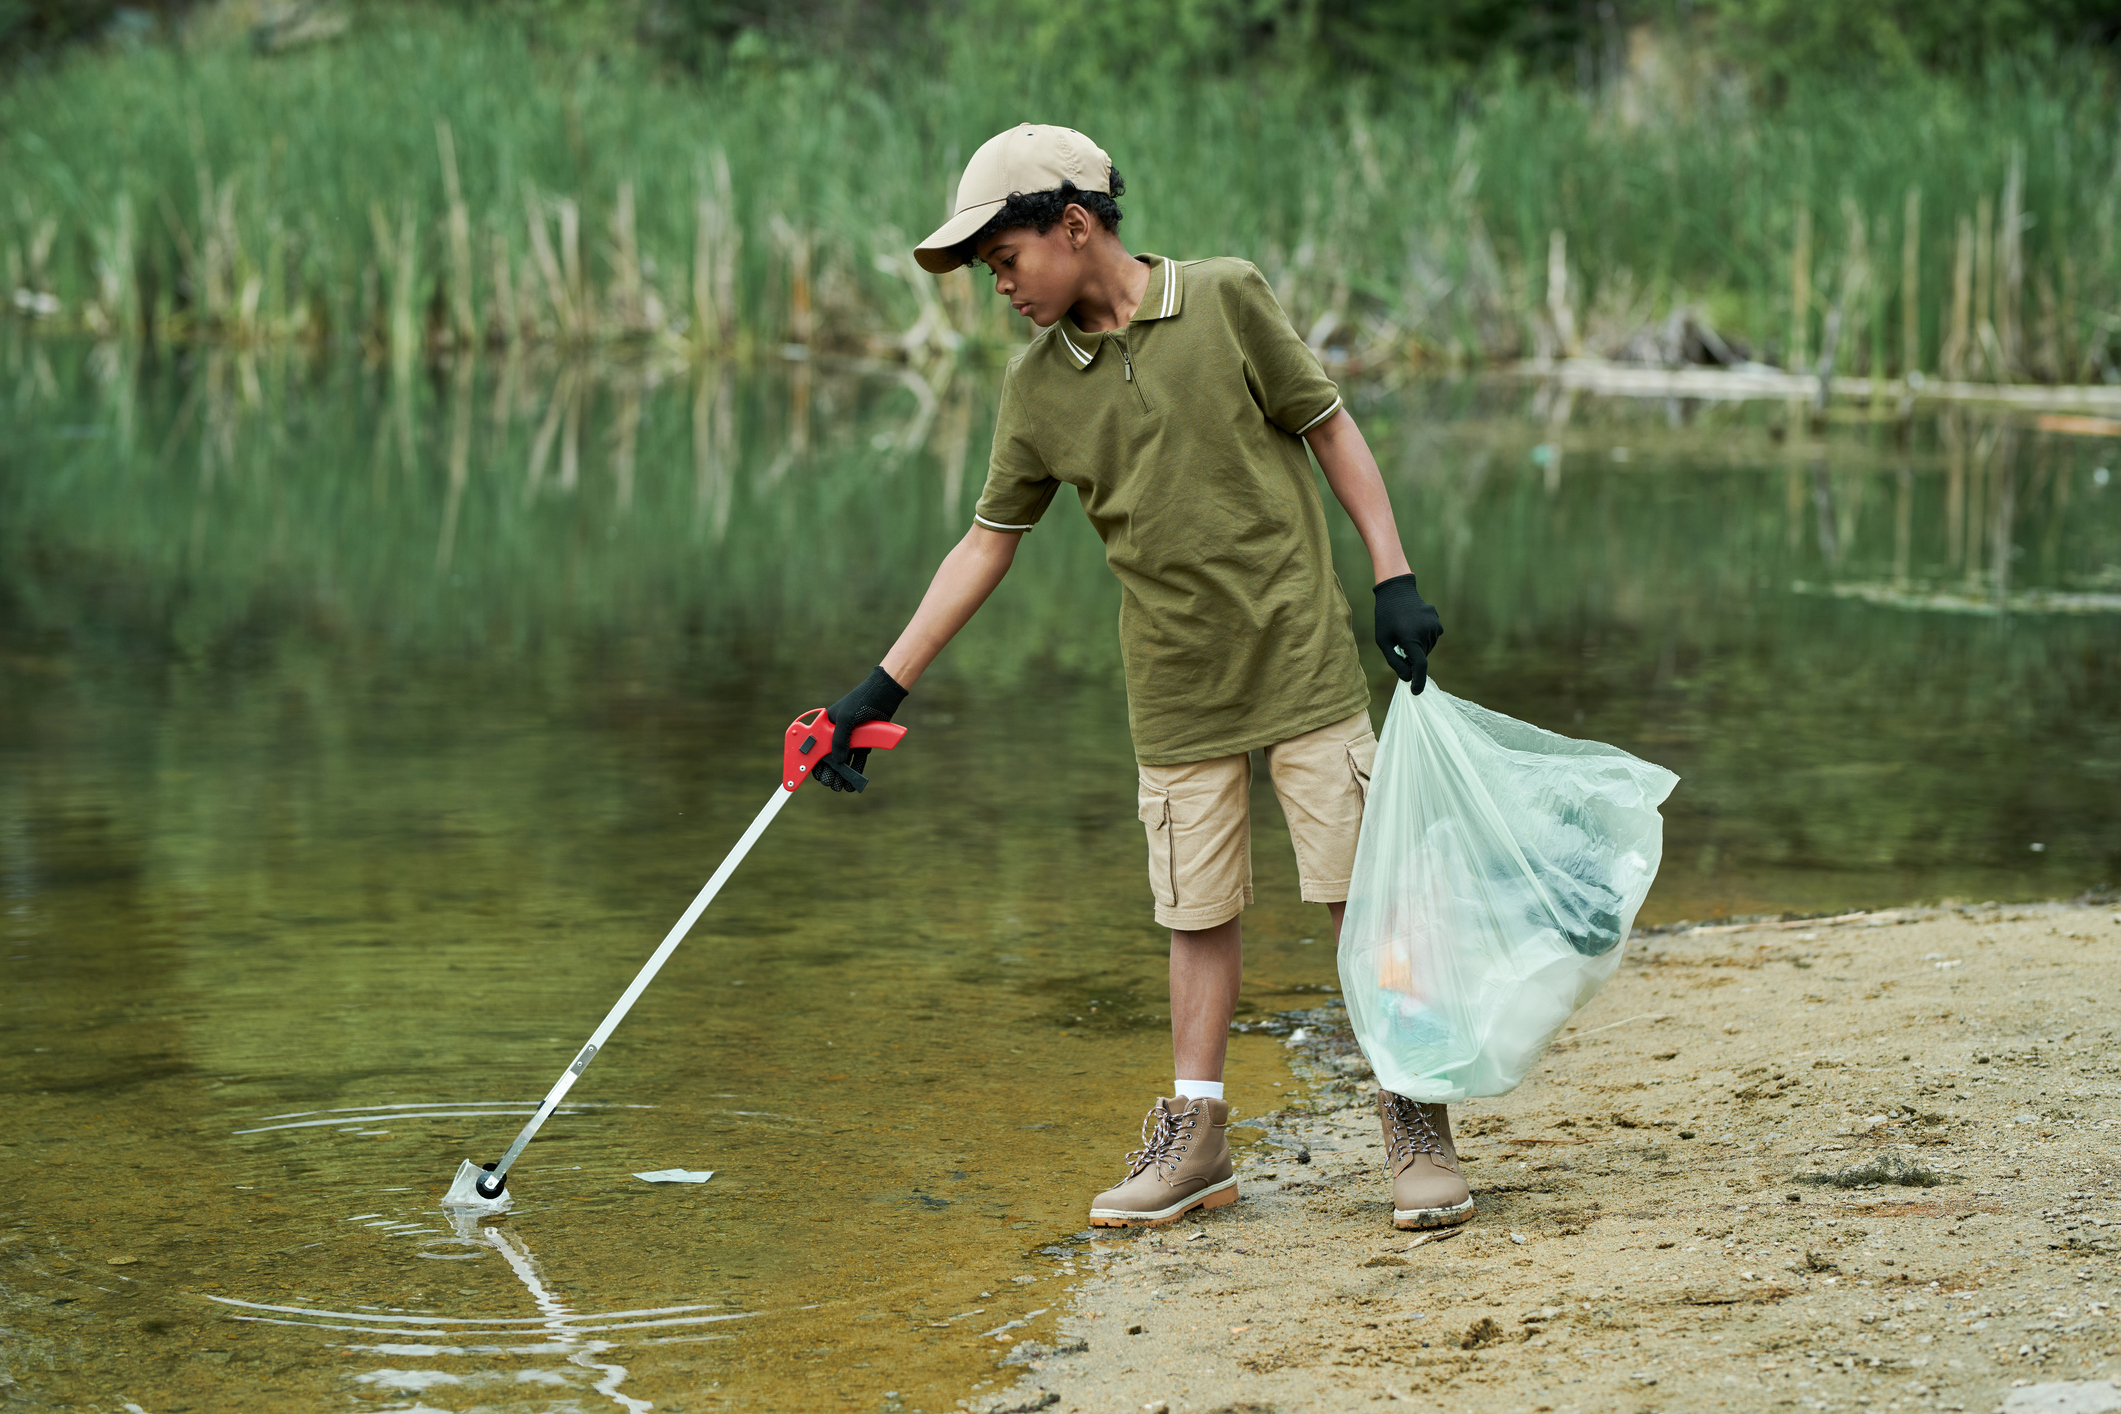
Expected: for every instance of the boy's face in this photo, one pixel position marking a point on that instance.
(1040, 275)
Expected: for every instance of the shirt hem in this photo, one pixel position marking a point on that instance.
(1253, 741)
(1320, 418)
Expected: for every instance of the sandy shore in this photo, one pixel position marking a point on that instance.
(1654, 1231)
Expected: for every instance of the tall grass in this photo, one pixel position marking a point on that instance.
(432, 182)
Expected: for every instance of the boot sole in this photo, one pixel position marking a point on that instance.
(1409, 1219)
(1220, 1196)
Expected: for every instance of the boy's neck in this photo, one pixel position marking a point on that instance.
(1112, 287)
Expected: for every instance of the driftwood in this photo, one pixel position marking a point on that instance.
(1753, 381)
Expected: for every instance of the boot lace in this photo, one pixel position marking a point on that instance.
(1411, 1131)
(1165, 1139)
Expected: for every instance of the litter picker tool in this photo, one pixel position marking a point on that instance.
(807, 740)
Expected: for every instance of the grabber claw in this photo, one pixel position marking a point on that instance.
(468, 1189)
(810, 737)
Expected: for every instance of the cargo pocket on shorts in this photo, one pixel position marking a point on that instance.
(1362, 755)
(1163, 846)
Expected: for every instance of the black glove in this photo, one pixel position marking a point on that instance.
(1407, 628)
(874, 701)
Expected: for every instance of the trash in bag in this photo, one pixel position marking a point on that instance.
(1497, 875)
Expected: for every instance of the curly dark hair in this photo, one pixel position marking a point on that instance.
(1041, 210)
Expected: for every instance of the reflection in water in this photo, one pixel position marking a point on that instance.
(359, 736)
(559, 1317)
(558, 1329)
(581, 1338)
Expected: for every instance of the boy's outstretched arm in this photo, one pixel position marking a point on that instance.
(962, 583)
(1407, 627)
(967, 575)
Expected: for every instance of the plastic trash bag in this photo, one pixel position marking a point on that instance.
(1496, 878)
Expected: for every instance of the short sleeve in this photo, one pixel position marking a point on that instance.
(1286, 377)
(1019, 486)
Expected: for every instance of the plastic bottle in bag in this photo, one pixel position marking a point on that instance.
(1496, 878)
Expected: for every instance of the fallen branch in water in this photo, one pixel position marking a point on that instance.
(1753, 381)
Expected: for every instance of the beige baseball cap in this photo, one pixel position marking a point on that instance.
(1027, 158)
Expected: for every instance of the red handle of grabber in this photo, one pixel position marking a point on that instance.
(810, 737)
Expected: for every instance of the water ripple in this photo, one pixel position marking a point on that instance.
(354, 1116)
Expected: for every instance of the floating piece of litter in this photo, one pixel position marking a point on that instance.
(464, 1193)
(676, 1176)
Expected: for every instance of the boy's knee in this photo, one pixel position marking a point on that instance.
(1204, 939)
(1206, 924)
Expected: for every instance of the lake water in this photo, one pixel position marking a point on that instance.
(359, 738)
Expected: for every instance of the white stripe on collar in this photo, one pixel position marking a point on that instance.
(1082, 359)
(1170, 287)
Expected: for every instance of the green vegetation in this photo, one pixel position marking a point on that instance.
(745, 536)
(1394, 39)
(425, 179)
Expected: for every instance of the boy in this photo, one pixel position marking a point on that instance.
(1178, 400)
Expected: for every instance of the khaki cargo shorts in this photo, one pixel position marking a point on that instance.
(1199, 822)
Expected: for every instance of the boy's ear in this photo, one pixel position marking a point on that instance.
(1077, 223)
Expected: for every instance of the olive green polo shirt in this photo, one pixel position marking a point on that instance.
(1182, 435)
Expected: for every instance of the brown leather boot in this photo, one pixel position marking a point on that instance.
(1183, 1164)
(1427, 1188)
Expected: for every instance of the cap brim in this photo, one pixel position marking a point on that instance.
(934, 254)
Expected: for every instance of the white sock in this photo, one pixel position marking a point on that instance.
(1200, 1089)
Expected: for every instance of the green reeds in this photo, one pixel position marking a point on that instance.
(438, 182)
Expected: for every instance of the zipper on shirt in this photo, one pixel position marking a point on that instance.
(1127, 362)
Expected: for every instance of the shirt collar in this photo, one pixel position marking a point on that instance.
(1077, 347)
(1166, 293)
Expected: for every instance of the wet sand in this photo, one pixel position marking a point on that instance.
(1652, 1230)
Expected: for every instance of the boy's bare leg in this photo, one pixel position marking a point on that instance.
(1207, 965)
(1184, 1162)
